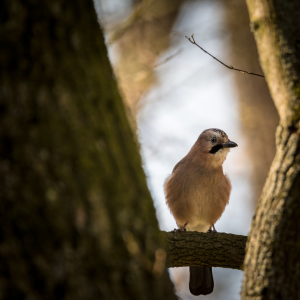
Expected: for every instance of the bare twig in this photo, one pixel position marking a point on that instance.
(192, 40)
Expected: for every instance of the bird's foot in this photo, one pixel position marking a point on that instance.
(212, 230)
(181, 228)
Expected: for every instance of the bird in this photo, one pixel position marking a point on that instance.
(197, 193)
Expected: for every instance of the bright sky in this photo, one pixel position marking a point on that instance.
(195, 93)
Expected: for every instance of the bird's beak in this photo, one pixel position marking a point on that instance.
(230, 144)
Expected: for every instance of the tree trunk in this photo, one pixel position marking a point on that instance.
(77, 220)
(272, 267)
(258, 114)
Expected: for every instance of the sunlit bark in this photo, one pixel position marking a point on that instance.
(272, 256)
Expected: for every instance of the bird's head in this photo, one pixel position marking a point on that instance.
(214, 144)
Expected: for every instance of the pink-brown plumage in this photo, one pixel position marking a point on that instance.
(197, 191)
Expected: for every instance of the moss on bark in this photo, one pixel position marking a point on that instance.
(72, 186)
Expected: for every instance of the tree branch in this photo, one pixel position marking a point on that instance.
(135, 15)
(196, 248)
(192, 40)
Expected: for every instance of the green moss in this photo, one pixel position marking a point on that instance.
(71, 174)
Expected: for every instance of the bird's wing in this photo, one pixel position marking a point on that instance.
(179, 163)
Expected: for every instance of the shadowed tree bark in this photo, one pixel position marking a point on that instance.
(76, 217)
(272, 266)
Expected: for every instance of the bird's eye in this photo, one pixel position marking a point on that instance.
(213, 140)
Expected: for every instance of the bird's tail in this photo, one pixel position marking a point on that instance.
(201, 280)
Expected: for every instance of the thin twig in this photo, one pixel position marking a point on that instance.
(192, 40)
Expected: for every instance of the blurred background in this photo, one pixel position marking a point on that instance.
(174, 91)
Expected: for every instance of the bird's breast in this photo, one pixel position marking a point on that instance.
(196, 197)
(211, 198)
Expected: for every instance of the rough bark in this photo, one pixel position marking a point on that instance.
(76, 218)
(197, 249)
(272, 269)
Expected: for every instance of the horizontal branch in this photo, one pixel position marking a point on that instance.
(196, 248)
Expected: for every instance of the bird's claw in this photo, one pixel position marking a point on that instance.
(212, 230)
(181, 228)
